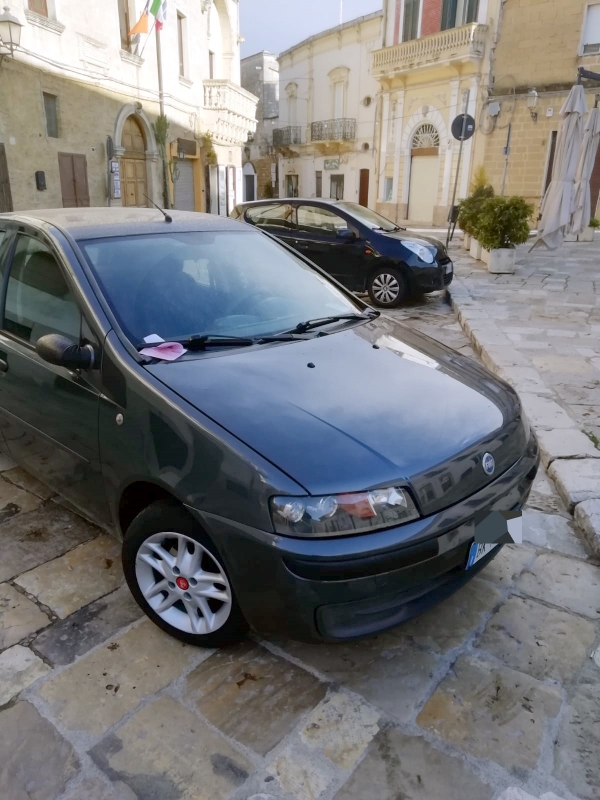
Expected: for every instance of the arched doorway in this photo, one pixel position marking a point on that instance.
(133, 164)
(424, 173)
(249, 182)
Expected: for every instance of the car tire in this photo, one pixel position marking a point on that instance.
(387, 287)
(165, 555)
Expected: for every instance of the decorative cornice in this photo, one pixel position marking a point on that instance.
(47, 24)
(131, 58)
(185, 81)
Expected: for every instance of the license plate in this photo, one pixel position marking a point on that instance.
(478, 551)
(449, 268)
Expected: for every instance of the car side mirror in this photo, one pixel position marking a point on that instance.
(62, 351)
(346, 235)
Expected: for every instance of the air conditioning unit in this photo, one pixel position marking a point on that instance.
(591, 49)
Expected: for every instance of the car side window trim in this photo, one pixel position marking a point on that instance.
(12, 246)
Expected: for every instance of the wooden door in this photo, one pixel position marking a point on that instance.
(133, 165)
(424, 178)
(5, 195)
(72, 168)
(363, 190)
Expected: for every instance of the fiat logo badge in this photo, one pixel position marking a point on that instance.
(488, 463)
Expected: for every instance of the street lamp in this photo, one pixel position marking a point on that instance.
(532, 98)
(10, 33)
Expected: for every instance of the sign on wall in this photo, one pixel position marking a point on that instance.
(332, 163)
(115, 169)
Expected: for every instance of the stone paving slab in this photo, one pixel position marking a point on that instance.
(561, 443)
(28, 540)
(19, 617)
(19, 477)
(552, 532)
(565, 582)
(91, 789)
(300, 774)
(14, 500)
(235, 688)
(77, 578)
(19, 668)
(197, 763)
(587, 515)
(101, 688)
(492, 712)
(36, 762)
(90, 626)
(407, 767)
(539, 641)
(577, 480)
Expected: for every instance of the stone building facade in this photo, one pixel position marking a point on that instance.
(328, 112)
(260, 76)
(79, 97)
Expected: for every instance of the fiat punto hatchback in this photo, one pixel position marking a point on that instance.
(272, 451)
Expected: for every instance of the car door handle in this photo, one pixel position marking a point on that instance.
(3, 365)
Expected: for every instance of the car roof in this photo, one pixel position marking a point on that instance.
(102, 222)
(316, 201)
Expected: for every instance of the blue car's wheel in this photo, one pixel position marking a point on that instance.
(387, 287)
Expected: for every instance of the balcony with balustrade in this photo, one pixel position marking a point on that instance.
(451, 46)
(333, 130)
(284, 137)
(230, 111)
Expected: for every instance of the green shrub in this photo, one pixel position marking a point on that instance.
(469, 210)
(594, 223)
(504, 222)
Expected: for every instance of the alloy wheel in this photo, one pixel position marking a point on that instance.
(183, 583)
(385, 288)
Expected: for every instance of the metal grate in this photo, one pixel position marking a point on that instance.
(282, 137)
(425, 136)
(333, 129)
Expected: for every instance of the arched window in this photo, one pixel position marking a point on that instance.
(425, 137)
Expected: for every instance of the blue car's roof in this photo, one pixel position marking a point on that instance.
(102, 222)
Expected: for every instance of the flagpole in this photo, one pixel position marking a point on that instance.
(161, 96)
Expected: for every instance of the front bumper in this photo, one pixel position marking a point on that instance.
(345, 588)
(433, 278)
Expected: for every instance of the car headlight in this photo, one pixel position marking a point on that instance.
(424, 253)
(342, 514)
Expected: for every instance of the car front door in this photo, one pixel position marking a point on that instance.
(277, 218)
(50, 414)
(333, 243)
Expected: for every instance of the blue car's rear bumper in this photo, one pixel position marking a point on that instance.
(332, 589)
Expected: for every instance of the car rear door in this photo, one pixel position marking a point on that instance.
(50, 413)
(278, 219)
(319, 240)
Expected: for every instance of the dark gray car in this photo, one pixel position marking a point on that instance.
(306, 466)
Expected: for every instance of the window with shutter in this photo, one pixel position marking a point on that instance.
(459, 12)
(51, 112)
(410, 29)
(591, 31)
(73, 180)
(38, 7)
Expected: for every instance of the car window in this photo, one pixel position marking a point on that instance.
(312, 219)
(278, 215)
(4, 238)
(237, 283)
(38, 300)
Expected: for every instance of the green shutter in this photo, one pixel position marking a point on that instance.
(411, 20)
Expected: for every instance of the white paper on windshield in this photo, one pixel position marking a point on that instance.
(153, 339)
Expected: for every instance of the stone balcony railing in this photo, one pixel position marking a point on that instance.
(454, 44)
(230, 111)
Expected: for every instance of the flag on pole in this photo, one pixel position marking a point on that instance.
(141, 26)
(158, 8)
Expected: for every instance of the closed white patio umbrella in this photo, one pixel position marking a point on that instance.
(558, 204)
(591, 138)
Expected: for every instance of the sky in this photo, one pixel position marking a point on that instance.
(275, 25)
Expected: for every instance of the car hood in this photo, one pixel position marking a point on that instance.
(371, 406)
(427, 241)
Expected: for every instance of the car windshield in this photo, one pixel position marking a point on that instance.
(231, 283)
(369, 218)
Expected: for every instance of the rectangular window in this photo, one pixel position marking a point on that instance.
(591, 30)
(38, 7)
(410, 29)
(291, 185)
(388, 190)
(72, 169)
(458, 12)
(336, 190)
(338, 101)
(319, 183)
(181, 25)
(125, 24)
(51, 112)
(211, 64)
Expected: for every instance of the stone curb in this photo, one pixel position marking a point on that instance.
(572, 460)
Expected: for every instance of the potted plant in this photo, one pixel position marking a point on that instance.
(588, 233)
(470, 209)
(503, 224)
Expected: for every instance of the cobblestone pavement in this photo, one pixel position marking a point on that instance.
(494, 694)
(540, 330)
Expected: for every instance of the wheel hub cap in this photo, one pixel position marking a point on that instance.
(386, 288)
(183, 583)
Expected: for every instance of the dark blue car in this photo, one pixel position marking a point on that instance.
(358, 247)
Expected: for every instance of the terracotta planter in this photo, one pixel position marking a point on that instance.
(467, 241)
(475, 249)
(502, 261)
(587, 235)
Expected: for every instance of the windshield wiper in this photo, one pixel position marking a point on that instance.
(303, 327)
(216, 340)
(389, 230)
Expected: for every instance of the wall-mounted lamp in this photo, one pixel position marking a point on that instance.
(10, 33)
(532, 100)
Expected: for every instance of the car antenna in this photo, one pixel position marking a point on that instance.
(168, 218)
